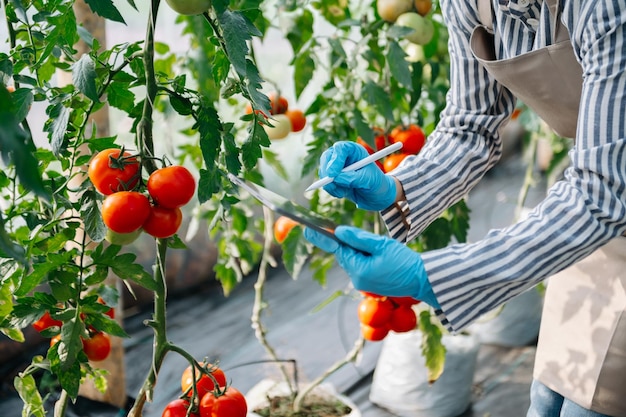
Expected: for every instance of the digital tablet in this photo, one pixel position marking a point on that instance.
(286, 207)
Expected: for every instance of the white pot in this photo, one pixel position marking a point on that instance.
(257, 396)
(400, 382)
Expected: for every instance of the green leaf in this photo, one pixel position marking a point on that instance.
(107, 9)
(84, 77)
(237, 30)
(301, 31)
(16, 147)
(364, 131)
(398, 65)
(433, 350)
(208, 184)
(304, 66)
(295, 252)
(272, 160)
(90, 213)
(181, 105)
(57, 126)
(13, 334)
(6, 302)
(379, 98)
(8, 248)
(23, 99)
(124, 266)
(120, 95)
(26, 387)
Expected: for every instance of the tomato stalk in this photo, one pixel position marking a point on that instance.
(259, 304)
(146, 146)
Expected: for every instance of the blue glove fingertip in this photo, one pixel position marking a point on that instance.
(323, 242)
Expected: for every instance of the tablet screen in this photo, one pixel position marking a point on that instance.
(286, 207)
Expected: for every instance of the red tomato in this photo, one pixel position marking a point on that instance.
(374, 334)
(110, 312)
(381, 138)
(178, 408)
(375, 312)
(282, 227)
(404, 301)
(231, 403)
(97, 347)
(45, 322)
(411, 136)
(369, 150)
(402, 319)
(204, 383)
(110, 173)
(393, 160)
(172, 186)
(125, 211)
(297, 118)
(163, 222)
(278, 104)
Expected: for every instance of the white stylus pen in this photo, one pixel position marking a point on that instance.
(358, 164)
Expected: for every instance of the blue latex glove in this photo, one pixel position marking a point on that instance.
(368, 187)
(386, 268)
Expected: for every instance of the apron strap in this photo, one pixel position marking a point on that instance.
(484, 14)
(560, 31)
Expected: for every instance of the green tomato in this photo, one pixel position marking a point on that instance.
(423, 28)
(122, 239)
(189, 7)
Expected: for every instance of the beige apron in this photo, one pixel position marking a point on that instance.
(581, 352)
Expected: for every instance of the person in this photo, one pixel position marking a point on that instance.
(567, 60)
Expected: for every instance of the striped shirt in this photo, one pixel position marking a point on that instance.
(579, 214)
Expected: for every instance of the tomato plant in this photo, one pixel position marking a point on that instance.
(229, 403)
(178, 408)
(125, 211)
(172, 186)
(111, 170)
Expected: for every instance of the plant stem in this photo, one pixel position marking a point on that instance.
(350, 357)
(158, 323)
(144, 129)
(160, 346)
(60, 406)
(259, 304)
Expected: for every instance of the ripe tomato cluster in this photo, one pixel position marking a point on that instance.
(215, 398)
(126, 209)
(379, 315)
(283, 119)
(411, 136)
(97, 346)
(282, 227)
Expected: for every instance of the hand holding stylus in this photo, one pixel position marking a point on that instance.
(353, 175)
